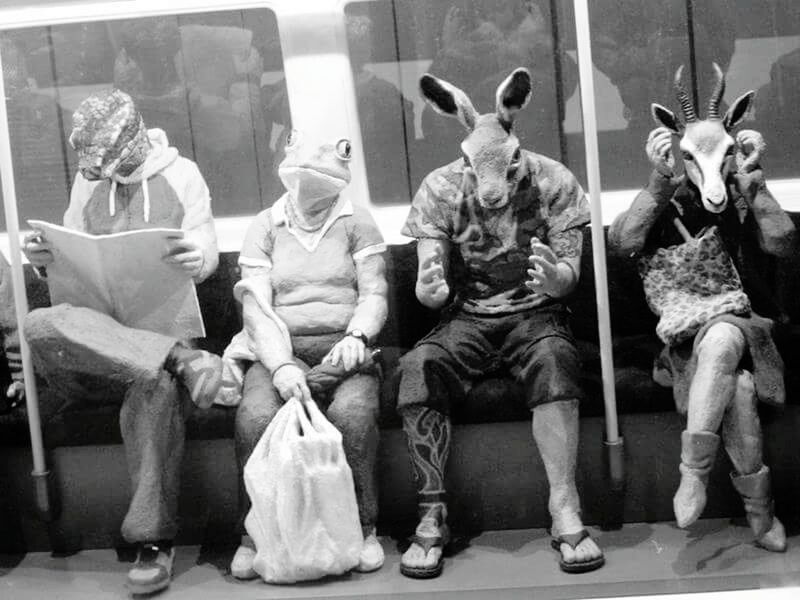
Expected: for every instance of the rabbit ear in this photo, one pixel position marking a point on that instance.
(513, 94)
(447, 99)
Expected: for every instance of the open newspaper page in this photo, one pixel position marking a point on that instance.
(123, 275)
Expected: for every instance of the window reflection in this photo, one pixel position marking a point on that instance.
(480, 43)
(766, 58)
(42, 169)
(205, 79)
(474, 44)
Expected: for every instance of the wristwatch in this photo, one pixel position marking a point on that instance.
(358, 334)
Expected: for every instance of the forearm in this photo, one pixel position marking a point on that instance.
(628, 233)
(776, 232)
(369, 316)
(428, 249)
(370, 313)
(568, 275)
(270, 346)
(567, 246)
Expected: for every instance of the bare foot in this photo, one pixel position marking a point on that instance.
(585, 551)
(416, 557)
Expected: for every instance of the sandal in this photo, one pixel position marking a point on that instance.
(572, 540)
(427, 544)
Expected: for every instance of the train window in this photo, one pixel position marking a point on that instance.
(762, 41)
(213, 82)
(474, 44)
(637, 47)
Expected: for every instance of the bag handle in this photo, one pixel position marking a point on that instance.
(687, 237)
(313, 424)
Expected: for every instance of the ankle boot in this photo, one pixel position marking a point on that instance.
(755, 490)
(698, 450)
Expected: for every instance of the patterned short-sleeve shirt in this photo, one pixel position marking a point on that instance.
(495, 243)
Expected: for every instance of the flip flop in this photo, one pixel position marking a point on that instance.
(572, 540)
(427, 543)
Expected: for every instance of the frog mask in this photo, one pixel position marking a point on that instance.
(314, 171)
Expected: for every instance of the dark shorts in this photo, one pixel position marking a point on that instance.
(536, 347)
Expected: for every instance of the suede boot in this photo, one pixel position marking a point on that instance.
(755, 490)
(698, 450)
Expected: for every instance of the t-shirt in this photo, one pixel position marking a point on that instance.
(495, 243)
(314, 279)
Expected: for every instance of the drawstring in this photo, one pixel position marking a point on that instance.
(112, 205)
(146, 194)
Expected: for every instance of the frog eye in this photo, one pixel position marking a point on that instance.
(344, 149)
(291, 138)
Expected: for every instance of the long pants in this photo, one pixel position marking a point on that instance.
(87, 357)
(353, 410)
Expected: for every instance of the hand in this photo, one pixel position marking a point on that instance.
(659, 151)
(16, 392)
(545, 277)
(290, 381)
(350, 352)
(432, 289)
(748, 183)
(37, 249)
(750, 148)
(186, 255)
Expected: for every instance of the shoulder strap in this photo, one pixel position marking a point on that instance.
(678, 223)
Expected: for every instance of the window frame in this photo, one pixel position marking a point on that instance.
(328, 59)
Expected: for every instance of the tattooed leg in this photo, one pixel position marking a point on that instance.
(428, 435)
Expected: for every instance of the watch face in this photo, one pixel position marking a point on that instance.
(357, 333)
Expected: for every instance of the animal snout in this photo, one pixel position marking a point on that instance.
(491, 195)
(715, 200)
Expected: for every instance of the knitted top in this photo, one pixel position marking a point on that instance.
(314, 284)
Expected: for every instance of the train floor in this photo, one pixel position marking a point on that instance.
(714, 555)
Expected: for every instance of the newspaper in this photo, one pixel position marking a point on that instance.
(123, 275)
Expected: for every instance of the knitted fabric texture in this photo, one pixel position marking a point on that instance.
(108, 133)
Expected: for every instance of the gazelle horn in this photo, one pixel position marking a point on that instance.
(683, 97)
(716, 95)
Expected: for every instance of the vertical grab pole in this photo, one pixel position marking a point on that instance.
(613, 440)
(40, 472)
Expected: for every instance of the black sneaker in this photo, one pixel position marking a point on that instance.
(153, 569)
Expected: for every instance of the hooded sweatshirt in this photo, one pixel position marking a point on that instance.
(168, 190)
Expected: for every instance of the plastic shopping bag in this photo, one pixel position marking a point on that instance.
(304, 517)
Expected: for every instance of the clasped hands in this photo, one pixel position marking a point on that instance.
(183, 253)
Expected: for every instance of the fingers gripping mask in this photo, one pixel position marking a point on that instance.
(314, 171)
(109, 135)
